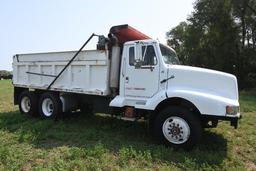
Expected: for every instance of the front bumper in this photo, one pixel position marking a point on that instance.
(215, 119)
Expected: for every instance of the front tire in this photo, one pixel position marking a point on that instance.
(177, 127)
(50, 105)
(28, 103)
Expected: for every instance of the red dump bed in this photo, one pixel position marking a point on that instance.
(126, 33)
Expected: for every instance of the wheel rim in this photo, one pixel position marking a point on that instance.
(47, 107)
(176, 130)
(25, 104)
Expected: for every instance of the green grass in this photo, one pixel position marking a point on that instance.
(102, 143)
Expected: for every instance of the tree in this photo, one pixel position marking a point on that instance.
(5, 74)
(176, 39)
(219, 35)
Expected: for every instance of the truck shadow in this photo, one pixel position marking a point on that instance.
(78, 130)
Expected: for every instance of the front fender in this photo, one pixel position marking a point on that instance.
(206, 102)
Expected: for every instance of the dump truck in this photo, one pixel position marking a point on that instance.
(132, 77)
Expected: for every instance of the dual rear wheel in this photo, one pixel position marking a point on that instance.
(48, 104)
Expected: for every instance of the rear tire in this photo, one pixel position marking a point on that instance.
(177, 127)
(28, 103)
(50, 105)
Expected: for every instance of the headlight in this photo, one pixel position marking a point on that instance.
(232, 110)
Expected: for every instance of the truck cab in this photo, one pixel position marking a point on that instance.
(178, 97)
(143, 73)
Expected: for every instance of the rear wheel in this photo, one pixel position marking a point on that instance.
(28, 103)
(50, 105)
(178, 127)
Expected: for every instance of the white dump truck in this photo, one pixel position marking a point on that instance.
(130, 76)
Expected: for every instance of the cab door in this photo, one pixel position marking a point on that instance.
(142, 71)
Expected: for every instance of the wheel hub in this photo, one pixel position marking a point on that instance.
(47, 107)
(25, 104)
(176, 130)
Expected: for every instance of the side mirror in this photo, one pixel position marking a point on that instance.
(138, 64)
(155, 60)
(138, 58)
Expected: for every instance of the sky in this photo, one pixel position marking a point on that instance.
(30, 26)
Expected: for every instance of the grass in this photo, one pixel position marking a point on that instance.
(101, 143)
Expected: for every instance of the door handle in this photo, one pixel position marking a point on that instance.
(164, 80)
(126, 79)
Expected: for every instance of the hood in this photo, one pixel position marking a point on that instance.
(203, 80)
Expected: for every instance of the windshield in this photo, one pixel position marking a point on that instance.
(169, 55)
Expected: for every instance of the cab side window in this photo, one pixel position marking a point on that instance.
(149, 55)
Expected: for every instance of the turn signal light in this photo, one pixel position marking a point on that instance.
(232, 110)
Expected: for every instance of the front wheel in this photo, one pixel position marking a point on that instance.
(178, 127)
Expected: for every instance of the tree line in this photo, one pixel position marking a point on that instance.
(5, 74)
(221, 35)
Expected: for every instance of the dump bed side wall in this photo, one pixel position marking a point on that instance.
(87, 74)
